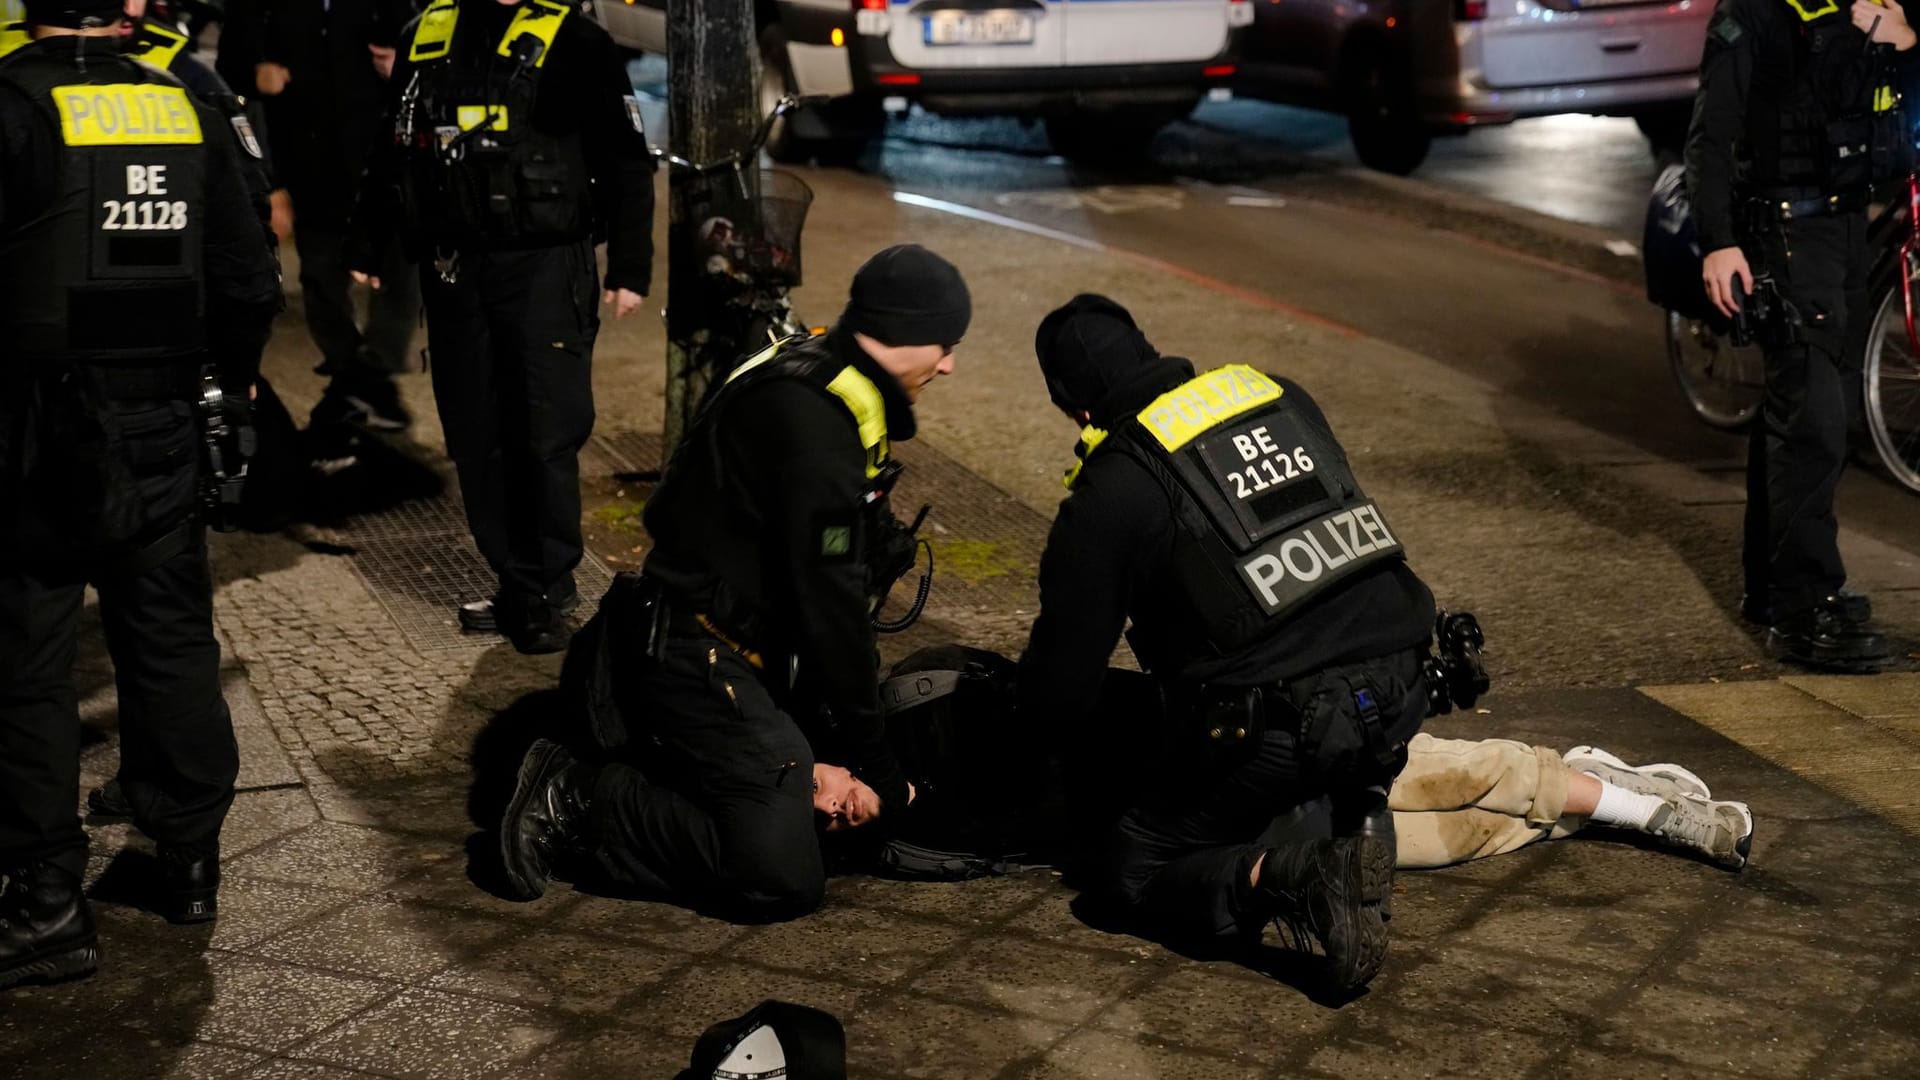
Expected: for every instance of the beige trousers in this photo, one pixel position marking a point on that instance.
(1461, 799)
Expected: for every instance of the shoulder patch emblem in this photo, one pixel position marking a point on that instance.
(244, 132)
(1726, 29)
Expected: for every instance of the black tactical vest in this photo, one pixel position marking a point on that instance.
(874, 537)
(1268, 514)
(111, 270)
(477, 170)
(1839, 128)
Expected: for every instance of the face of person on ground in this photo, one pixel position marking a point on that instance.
(134, 10)
(915, 366)
(842, 799)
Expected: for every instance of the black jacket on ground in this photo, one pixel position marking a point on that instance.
(583, 88)
(1108, 558)
(737, 523)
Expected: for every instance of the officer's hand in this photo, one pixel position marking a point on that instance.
(365, 278)
(625, 301)
(1887, 24)
(382, 59)
(1720, 269)
(282, 220)
(271, 78)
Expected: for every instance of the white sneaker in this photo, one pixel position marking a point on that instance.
(1720, 831)
(1662, 781)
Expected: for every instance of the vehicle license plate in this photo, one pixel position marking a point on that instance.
(980, 28)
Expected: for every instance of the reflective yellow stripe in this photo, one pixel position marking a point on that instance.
(12, 36)
(472, 116)
(1180, 415)
(1090, 439)
(1820, 10)
(126, 114)
(542, 19)
(1884, 99)
(869, 410)
(159, 45)
(757, 359)
(434, 35)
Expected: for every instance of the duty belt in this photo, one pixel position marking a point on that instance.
(1767, 208)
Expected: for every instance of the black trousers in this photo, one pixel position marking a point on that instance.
(346, 349)
(511, 342)
(1179, 858)
(177, 750)
(1798, 446)
(714, 804)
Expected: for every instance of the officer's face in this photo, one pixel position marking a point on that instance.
(842, 799)
(915, 366)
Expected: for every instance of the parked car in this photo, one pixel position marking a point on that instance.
(1105, 75)
(1405, 70)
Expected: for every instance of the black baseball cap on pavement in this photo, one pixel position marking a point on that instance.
(907, 295)
(773, 1039)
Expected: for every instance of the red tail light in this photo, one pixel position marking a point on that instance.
(869, 5)
(1218, 71)
(1470, 10)
(907, 78)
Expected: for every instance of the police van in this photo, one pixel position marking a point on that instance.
(1104, 75)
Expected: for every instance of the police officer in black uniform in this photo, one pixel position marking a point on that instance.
(125, 236)
(1796, 118)
(1272, 605)
(517, 144)
(747, 649)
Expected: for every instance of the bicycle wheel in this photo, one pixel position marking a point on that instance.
(1892, 389)
(1722, 383)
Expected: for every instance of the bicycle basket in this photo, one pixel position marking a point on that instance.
(757, 238)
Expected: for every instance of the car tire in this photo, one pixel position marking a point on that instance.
(1119, 136)
(783, 143)
(1382, 121)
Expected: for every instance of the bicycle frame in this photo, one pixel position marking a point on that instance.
(1910, 259)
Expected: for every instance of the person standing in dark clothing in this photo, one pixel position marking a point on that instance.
(320, 67)
(122, 247)
(1795, 120)
(1273, 609)
(516, 147)
(744, 659)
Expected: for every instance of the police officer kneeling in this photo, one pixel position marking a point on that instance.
(1795, 120)
(1272, 604)
(749, 651)
(124, 230)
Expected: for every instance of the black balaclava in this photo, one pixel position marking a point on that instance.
(1096, 359)
(74, 14)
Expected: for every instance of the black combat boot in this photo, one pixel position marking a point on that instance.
(190, 875)
(46, 927)
(1824, 638)
(546, 823)
(1852, 607)
(1333, 893)
(108, 805)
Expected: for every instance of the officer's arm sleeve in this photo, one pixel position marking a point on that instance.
(242, 39)
(1719, 120)
(376, 212)
(24, 141)
(242, 276)
(622, 169)
(1089, 572)
(810, 476)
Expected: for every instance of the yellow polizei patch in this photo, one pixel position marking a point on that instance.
(1183, 413)
(472, 116)
(126, 114)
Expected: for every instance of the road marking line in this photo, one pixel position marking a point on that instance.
(1875, 765)
(1161, 265)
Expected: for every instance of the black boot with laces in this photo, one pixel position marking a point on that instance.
(46, 927)
(546, 823)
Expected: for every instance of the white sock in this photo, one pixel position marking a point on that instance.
(1623, 809)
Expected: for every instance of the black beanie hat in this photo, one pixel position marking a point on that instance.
(74, 14)
(1091, 354)
(907, 295)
